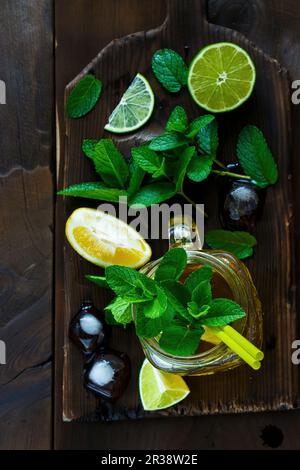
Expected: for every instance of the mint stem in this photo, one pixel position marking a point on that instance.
(188, 199)
(220, 164)
(229, 173)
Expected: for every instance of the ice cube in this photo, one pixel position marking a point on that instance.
(107, 374)
(90, 324)
(88, 329)
(101, 373)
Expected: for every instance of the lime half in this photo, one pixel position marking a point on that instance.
(221, 77)
(134, 109)
(160, 390)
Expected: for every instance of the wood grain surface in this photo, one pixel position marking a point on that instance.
(26, 221)
(275, 386)
(207, 432)
(82, 28)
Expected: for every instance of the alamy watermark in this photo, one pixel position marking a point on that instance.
(296, 93)
(2, 352)
(2, 92)
(160, 221)
(296, 354)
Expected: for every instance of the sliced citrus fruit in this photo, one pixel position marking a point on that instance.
(209, 337)
(159, 389)
(104, 240)
(134, 109)
(221, 77)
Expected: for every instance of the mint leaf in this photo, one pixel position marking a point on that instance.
(169, 69)
(84, 96)
(156, 307)
(197, 124)
(197, 312)
(207, 139)
(199, 167)
(172, 265)
(167, 141)
(239, 243)
(178, 297)
(196, 277)
(150, 327)
(154, 193)
(136, 176)
(149, 161)
(93, 191)
(99, 280)
(130, 284)
(182, 166)
(202, 294)
(255, 157)
(120, 310)
(88, 147)
(179, 340)
(109, 318)
(161, 171)
(110, 164)
(178, 121)
(222, 312)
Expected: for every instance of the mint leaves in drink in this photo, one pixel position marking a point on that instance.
(173, 313)
(84, 96)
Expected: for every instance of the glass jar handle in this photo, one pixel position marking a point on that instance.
(184, 232)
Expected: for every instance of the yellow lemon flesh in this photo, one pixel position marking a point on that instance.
(104, 240)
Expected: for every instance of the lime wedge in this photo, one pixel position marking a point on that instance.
(221, 77)
(159, 389)
(134, 109)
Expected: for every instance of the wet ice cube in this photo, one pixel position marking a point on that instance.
(107, 374)
(101, 373)
(90, 324)
(88, 329)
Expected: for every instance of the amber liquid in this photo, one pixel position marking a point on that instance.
(220, 288)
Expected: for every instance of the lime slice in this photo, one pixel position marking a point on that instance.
(134, 109)
(160, 390)
(221, 77)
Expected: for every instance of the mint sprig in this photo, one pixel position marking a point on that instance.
(165, 308)
(159, 168)
(84, 96)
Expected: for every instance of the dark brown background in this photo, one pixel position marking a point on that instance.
(77, 30)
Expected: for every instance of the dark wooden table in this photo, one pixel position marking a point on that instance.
(44, 44)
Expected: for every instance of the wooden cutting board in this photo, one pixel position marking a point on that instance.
(276, 385)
